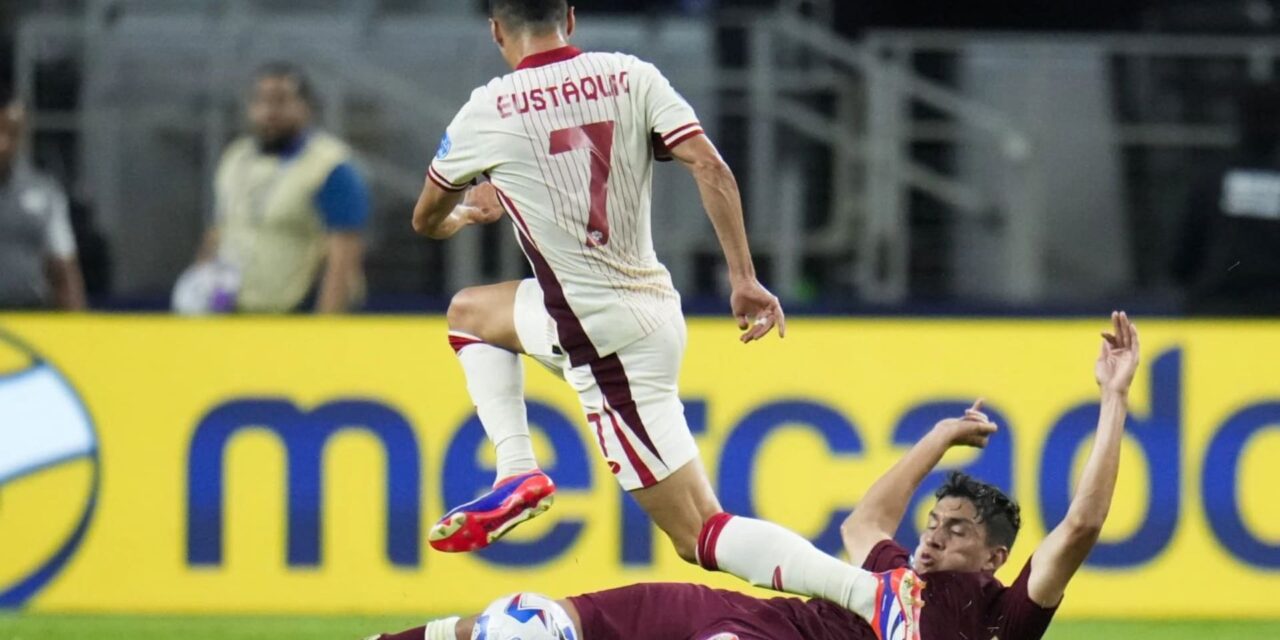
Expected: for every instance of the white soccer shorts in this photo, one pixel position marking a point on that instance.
(630, 398)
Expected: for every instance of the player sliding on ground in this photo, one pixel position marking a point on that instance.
(567, 143)
(969, 532)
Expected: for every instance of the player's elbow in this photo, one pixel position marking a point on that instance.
(423, 227)
(849, 528)
(849, 532)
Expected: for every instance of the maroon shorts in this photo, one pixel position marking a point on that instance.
(678, 611)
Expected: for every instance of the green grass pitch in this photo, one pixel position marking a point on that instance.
(68, 627)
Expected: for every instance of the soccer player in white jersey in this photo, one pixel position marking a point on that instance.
(566, 144)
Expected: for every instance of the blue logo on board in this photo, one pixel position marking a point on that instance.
(304, 435)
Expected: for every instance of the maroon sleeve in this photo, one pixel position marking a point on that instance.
(887, 555)
(1016, 615)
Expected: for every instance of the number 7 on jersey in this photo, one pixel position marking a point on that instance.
(598, 139)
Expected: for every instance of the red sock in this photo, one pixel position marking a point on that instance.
(708, 538)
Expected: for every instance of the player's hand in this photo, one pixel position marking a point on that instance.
(481, 206)
(973, 430)
(757, 311)
(1118, 361)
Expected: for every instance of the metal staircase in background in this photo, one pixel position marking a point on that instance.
(849, 152)
(856, 102)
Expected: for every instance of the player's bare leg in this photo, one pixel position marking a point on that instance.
(685, 507)
(679, 505)
(482, 332)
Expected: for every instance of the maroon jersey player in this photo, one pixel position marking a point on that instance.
(967, 538)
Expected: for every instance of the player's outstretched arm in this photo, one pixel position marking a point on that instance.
(884, 505)
(756, 310)
(440, 214)
(1067, 546)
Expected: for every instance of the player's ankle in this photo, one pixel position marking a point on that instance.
(515, 457)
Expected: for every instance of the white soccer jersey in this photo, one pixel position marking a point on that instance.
(567, 140)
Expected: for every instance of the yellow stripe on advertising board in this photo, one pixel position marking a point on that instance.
(293, 465)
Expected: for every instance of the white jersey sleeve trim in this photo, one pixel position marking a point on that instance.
(682, 134)
(444, 183)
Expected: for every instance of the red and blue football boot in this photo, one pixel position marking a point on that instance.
(899, 599)
(477, 524)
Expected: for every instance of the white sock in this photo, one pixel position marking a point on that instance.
(769, 556)
(495, 380)
(446, 629)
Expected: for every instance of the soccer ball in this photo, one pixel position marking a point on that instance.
(524, 616)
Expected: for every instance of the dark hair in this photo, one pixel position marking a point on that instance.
(291, 71)
(533, 15)
(997, 512)
(7, 95)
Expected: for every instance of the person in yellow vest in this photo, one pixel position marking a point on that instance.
(290, 208)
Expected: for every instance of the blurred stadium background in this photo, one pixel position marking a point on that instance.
(942, 172)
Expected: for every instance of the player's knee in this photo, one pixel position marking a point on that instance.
(466, 310)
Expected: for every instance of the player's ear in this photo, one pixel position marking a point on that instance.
(996, 559)
(496, 30)
(570, 24)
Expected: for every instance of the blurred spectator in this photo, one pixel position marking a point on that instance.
(94, 251)
(290, 206)
(1230, 253)
(38, 267)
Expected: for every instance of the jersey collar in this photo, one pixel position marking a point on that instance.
(551, 56)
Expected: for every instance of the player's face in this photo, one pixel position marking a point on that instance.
(10, 134)
(276, 111)
(954, 540)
